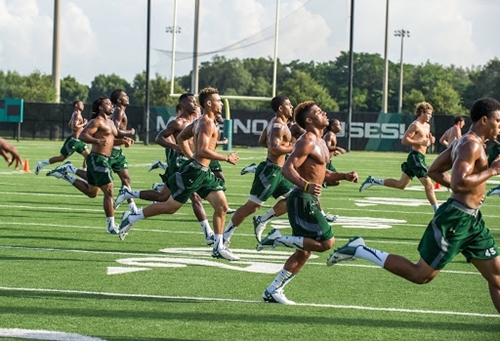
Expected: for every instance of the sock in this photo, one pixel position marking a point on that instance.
(45, 163)
(228, 231)
(290, 241)
(375, 256)
(111, 221)
(139, 215)
(217, 241)
(132, 207)
(72, 169)
(205, 227)
(268, 215)
(135, 194)
(280, 281)
(71, 179)
(323, 212)
(435, 207)
(379, 181)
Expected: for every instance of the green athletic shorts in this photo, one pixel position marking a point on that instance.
(193, 177)
(117, 160)
(268, 181)
(174, 164)
(99, 171)
(331, 167)
(215, 166)
(455, 229)
(72, 145)
(415, 165)
(305, 216)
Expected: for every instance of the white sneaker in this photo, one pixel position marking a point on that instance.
(123, 194)
(224, 253)
(258, 227)
(277, 296)
(157, 164)
(331, 217)
(369, 182)
(58, 172)
(268, 242)
(345, 252)
(210, 240)
(125, 225)
(493, 191)
(249, 169)
(230, 210)
(112, 229)
(38, 167)
(157, 186)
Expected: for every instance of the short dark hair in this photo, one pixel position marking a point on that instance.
(114, 96)
(185, 96)
(277, 101)
(483, 107)
(96, 104)
(76, 102)
(459, 119)
(205, 94)
(301, 112)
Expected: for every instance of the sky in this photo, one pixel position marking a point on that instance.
(110, 36)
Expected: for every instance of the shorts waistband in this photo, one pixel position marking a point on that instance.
(117, 147)
(99, 154)
(198, 165)
(466, 209)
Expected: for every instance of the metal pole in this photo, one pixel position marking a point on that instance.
(174, 35)
(351, 77)
(385, 89)
(194, 78)
(276, 34)
(400, 101)
(148, 39)
(56, 70)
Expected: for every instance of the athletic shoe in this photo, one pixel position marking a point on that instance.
(493, 191)
(369, 182)
(230, 210)
(268, 242)
(112, 229)
(38, 167)
(331, 217)
(123, 194)
(258, 227)
(125, 225)
(345, 252)
(249, 169)
(157, 186)
(155, 165)
(58, 172)
(210, 240)
(224, 253)
(276, 297)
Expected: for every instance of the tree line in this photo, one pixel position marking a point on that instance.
(450, 89)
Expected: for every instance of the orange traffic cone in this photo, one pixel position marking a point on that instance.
(437, 185)
(26, 165)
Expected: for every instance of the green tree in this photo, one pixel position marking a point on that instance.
(159, 90)
(411, 99)
(446, 100)
(485, 82)
(72, 91)
(35, 88)
(104, 85)
(302, 88)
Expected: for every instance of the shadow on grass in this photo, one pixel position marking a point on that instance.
(177, 314)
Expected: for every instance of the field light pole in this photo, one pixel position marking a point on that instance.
(385, 86)
(402, 34)
(170, 29)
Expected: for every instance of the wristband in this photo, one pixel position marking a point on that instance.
(227, 160)
(306, 186)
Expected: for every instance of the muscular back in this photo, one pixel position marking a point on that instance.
(278, 140)
(468, 159)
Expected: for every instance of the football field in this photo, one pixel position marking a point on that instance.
(63, 278)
